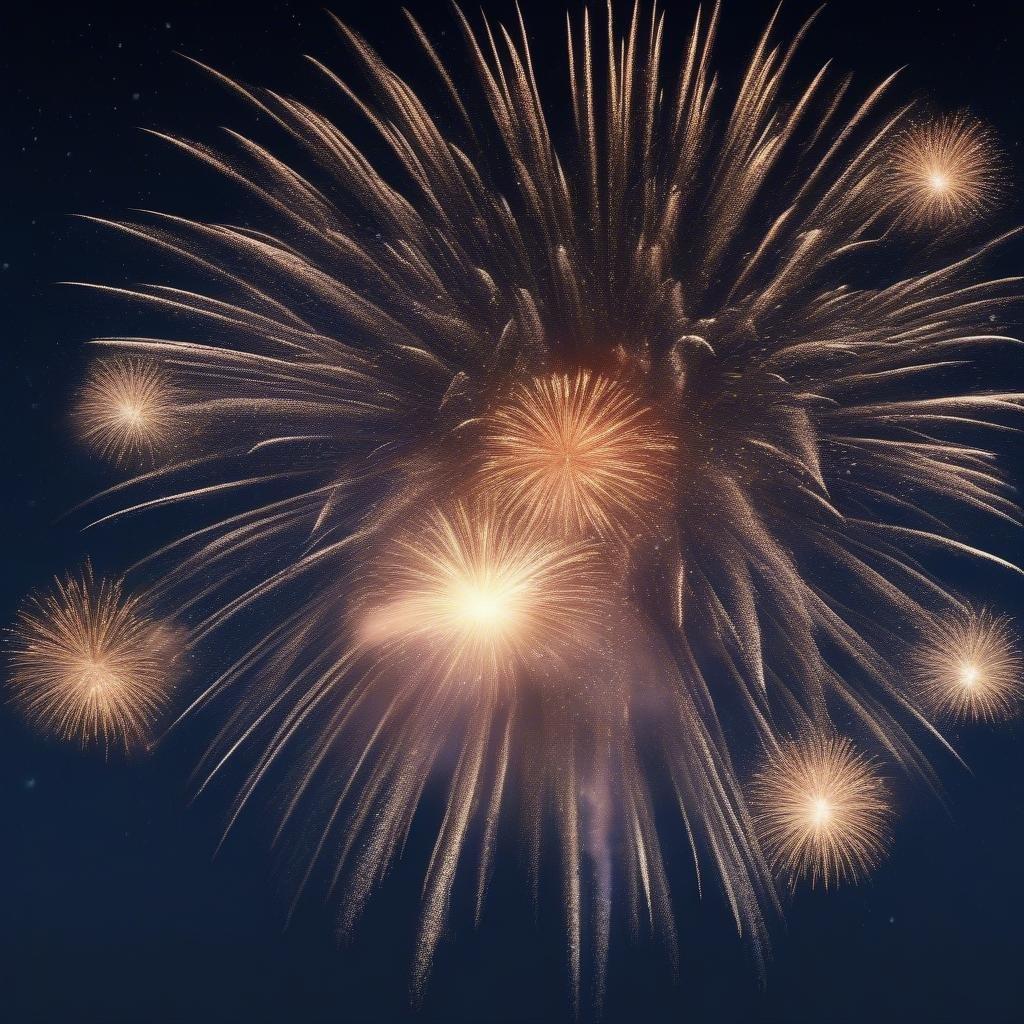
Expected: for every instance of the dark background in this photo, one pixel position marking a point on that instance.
(112, 907)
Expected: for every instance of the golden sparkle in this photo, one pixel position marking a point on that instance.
(481, 595)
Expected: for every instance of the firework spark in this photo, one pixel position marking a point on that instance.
(944, 172)
(822, 812)
(127, 409)
(88, 663)
(664, 339)
(968, 667)
(580, 453)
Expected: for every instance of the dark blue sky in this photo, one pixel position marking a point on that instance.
(112, 907)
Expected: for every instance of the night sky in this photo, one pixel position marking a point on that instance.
(113, 907)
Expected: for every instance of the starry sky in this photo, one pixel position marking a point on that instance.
(114, 908)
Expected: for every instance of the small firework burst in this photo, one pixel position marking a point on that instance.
(128, 409)
(89, 664)
(945, 172)
(821, 811)
(968, 667)
(478, 596)
(580, 453)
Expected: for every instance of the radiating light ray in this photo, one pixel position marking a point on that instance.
(90, 665)
(128, 408)
(822, 812)
(945, 172)
(967, 666)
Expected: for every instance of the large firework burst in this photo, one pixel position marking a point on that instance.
(712, 439)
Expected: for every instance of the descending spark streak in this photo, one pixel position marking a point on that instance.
(89, 664)
(596, 798)
(543, 469)
(968, 666)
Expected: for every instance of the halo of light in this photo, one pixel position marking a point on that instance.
(478, 595)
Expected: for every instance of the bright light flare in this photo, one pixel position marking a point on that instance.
(821, 811)
(968, 667)
(89, 664)
(945, 172)
(580, 453)
(482, 596)
(128, 408)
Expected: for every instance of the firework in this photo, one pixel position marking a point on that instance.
(665, 345)
(821, 811)
(88, 663)
(968, 666)
(484, 597)
(581, 454)
(127, 409)
(945, 171)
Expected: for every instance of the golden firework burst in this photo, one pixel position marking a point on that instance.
(479, 596)
(968, 666)
(88, 663)
(580, 453)
(821, 811)
(128, 408)
(945, 172)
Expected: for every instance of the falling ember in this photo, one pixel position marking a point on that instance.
(944, 172)
(481, 595)
(88, 663)
(127, 409)
(821, 812)
(968, 667)
(580, 453)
